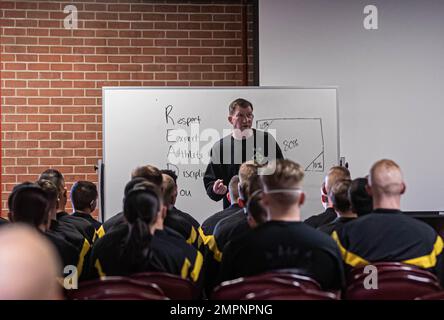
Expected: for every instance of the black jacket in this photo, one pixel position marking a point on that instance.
(228, 154)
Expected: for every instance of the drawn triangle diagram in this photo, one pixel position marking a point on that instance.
(317, 164)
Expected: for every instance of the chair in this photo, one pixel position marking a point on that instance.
(240, 288)
(292, 294)
(116, 294)
(305, 281)
(172, 285)
(396, 281)
(90, 289)
(432, 296)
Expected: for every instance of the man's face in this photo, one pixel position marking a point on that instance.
(242, 118)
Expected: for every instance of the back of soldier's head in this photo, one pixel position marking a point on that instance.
(233, 188)
(361, 201)
(285, 184)
(171, 173)
(386, 179)
(30, 205)
(51, 191)
(335, 174)
(29, 265)
(254, 209)
(84, 195)
(150, 173)
(246, 171)
(339, 196)
(54, 176)
(169, 189)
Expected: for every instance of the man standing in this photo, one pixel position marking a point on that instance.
(244, 144)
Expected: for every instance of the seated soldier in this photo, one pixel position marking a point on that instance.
(84, 227)
(227, 228)
(284, 242)
(334, 174)
(233, 192)
(29, 265)
(84, 201)
(176, 220)
(149, 173)
(185, 215)
(256, 213)
(140, 244)
(29, 204)
(342, 206)
(387, 235)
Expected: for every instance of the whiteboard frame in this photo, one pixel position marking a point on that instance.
(102, 182)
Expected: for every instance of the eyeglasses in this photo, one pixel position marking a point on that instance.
(249, 116)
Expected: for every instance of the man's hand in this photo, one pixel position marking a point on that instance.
(219, 187)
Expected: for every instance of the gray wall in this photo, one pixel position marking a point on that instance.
(391, 80)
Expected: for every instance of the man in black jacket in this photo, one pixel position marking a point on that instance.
(244, 144)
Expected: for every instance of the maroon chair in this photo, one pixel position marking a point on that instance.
(396, 281)
(292, 294)
(172, 285)
(117, 294)
(432, 296)
(89, 289)
(307, 282)
(240, 288)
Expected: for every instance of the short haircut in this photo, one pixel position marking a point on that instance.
(335, 174)
(246, 171)
(83, 193)
(150, 173)
(386, 178)
(51, 191)
(169, 189)
(171, 173)
(361, 201)
(339, 195)
(233, 188)
(287, 175)
(54, 176)
(241, 103)
(30, 206)
(14, 191)
(254, 206)
(130, 185)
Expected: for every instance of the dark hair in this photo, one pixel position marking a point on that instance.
(339, 195)
(14, 191)
(241, 103)
(150, 173)
(361, 201)
(30, 205)
(54, 176)
(51, 191)
(83, 193)
(130, 185)
(170, 173)
(140, 208)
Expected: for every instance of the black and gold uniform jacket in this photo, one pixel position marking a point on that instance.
(387, 235)
(178, 221)
(82, 225)
(71, 234)
(167, 253)
(276, 245)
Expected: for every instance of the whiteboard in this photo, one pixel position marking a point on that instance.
(391, 80)
(175, 128)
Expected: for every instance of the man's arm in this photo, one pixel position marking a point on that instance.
(212, 175)
(213, 178)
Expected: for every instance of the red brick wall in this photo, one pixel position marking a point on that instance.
(51, 78)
